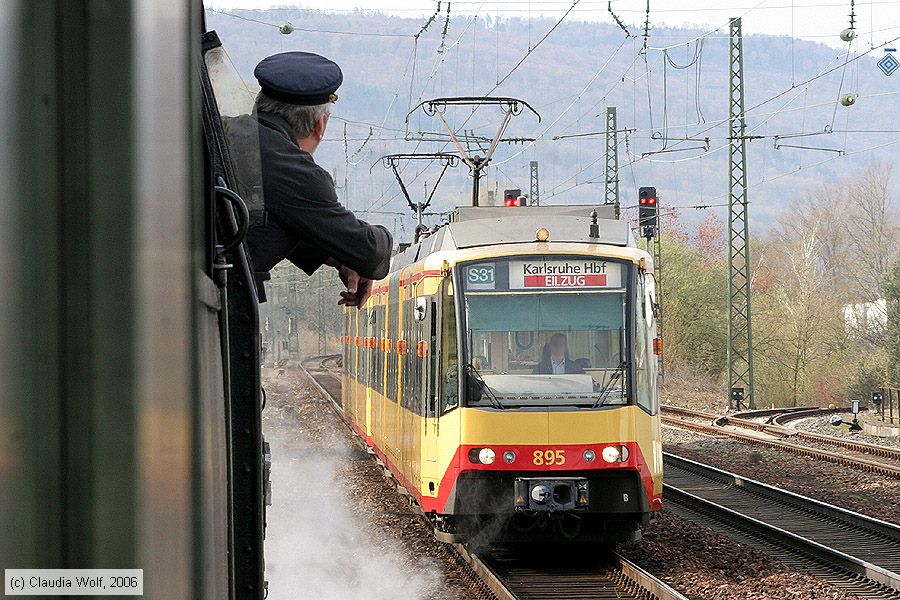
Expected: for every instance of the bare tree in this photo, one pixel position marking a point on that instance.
(805, 323)
(872, 231)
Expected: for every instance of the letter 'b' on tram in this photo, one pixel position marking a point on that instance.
(647, 211)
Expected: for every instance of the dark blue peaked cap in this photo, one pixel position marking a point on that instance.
(299, 78)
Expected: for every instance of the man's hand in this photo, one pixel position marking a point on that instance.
(358, 288)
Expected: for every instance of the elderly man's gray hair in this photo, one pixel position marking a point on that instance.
(302, 119)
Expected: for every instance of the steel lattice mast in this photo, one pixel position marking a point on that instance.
(611, 188)
(740, 337)
(535, 193)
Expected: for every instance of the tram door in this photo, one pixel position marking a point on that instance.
(430, 375)
(369, 373)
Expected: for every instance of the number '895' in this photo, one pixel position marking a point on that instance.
(542, 458)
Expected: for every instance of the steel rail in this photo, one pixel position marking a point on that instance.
(847, 541)
(612, 576)
(717, 425)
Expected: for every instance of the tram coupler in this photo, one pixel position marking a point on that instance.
(560, 494)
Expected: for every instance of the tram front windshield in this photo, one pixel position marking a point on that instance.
(546, 348)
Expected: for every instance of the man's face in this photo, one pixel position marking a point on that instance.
(558, 346)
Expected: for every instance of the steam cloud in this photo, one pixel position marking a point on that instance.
(316, 548)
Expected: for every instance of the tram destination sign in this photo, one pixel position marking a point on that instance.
(566, 274)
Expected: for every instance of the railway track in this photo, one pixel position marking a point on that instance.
(610, 576)
(867, 457)
(854, 552)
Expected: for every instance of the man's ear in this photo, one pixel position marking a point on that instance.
(320, 126)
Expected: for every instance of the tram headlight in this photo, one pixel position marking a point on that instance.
(509, 457)
(542, 234)
(589, 456)
(486, 456)
(614, 454)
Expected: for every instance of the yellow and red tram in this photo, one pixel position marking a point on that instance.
(505, 372)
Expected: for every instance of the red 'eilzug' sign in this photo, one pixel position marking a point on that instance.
(535, 281)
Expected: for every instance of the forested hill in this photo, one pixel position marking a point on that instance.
(570, 78)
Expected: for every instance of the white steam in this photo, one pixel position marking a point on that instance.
(316, 548)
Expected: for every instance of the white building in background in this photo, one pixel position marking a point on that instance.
(866, 317)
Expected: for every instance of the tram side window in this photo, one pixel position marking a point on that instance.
(345, 349)
(642, 354)
(414, 375)
(392, 333)
(407, 387)
(371, 356)
(653, 360)
(449, 359)
(351, 364)
(378, 384)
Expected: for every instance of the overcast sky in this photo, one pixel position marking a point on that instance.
(820, 20)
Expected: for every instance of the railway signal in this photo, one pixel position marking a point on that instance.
(647, 211)
(877, 398)
(513, 198)
(737, 397)
(854, 408)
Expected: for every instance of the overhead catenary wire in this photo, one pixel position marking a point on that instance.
(444, 51)
(806, 85)
(571, 104)
(765, 180)
(634, 158)
(380, 133)
(308, 30)
(535, 47)
(708, 33)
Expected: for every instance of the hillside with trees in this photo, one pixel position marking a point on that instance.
(824, 218)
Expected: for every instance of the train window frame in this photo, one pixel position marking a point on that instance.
(627, 289)
(649, 281)
(433, 369)
(449, 377)
(393, 327)
(408, 372)
(644, 363)
(421, 308)
(382, 355)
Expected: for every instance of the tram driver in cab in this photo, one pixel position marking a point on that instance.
(302, 218)
(555, 359)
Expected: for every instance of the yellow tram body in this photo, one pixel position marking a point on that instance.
(476, 456)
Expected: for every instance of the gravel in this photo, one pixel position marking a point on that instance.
(875, 495)
(700, 563)
(821, 426)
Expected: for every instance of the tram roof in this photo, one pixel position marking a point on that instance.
(471, 227)
(477, 213)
